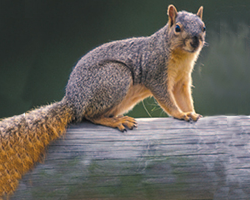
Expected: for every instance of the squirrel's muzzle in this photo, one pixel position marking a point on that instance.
(195, 42)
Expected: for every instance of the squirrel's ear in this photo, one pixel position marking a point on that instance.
(172, 14)
(200, 12)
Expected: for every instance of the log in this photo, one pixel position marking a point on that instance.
(163, 158)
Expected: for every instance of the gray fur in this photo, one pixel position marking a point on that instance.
(102, 77)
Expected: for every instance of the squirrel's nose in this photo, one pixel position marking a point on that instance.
(195, 42)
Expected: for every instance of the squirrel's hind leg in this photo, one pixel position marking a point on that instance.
(119, 122)
(106, 97)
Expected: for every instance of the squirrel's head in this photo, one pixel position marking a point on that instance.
(186, 30)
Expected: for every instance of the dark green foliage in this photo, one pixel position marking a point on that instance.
(41, 41)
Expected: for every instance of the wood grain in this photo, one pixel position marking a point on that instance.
(163, 158)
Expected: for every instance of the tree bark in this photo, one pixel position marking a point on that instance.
(163, 158)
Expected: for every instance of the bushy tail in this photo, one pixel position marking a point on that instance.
(23, 139)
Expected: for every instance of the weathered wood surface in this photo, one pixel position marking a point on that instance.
(163, 159)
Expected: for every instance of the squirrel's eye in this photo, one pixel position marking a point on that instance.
(178, 28)
(204, 28)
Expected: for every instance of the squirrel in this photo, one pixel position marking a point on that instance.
(106, 83)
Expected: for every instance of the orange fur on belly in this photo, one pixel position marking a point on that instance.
(136, 93)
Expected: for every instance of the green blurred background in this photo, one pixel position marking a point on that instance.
(42, 40)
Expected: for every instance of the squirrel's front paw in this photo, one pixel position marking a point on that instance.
(183, 116)
(187, 116)
(194, 116)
